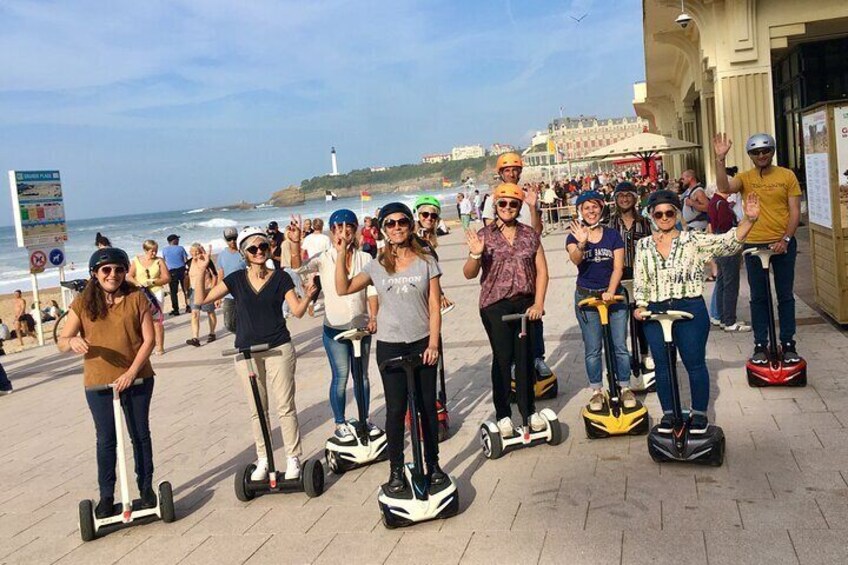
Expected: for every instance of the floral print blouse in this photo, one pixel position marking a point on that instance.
(508, 270)
(681, 275)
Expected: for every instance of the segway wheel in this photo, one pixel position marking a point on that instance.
(556, 432)
(491, 442)
(642, 428)
(451, 509)
(717, 460)
(655, 454)
(552, 392)
(592, 432)
(390, 521)
(166, 502)
(754, 382)
(86, 520)
(333, 462)
(313, 478)
(801, 381)
(242, 484)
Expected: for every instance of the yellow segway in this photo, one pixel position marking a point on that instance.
(613, 418)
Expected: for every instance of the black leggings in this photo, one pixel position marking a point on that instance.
(506, 351)
(394, 387)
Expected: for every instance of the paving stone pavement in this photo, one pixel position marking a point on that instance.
(781, 496)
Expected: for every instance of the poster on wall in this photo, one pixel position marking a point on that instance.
(817, 165)
(840, 120)
(38, 208)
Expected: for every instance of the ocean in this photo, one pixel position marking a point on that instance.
(199, 225)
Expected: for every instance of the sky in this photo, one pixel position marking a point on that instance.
(179, 104)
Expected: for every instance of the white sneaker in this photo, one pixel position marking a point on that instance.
(343, 433)
(649, 363)
(537, 423)
(505, 427)
(261, 471)
(373, 430)
(596, 402)
(292, 468)
(715, 321)
(738, 327)
(628, 399)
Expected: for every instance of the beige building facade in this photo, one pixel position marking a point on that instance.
(740, 67)
(576, 137)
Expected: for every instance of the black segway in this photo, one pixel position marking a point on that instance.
(642, 370)
(419, 501)
(311, 479)
(678, 444)
(775, 372)
(364, 446)
(441, 395)
(496, 445)
(128, 510)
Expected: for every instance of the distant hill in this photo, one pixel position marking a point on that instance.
(402, 178)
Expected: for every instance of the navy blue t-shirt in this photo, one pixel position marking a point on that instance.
(259, 315)
(595, 271)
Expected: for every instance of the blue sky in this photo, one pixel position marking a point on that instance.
(173, 104)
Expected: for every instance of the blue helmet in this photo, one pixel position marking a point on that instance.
(590, 195)
(625, 186)
(394, 208)
(343, 216)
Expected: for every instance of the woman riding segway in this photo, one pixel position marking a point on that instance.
(343, 313)
(408, 323)
(598, 252)
(110, 324)
(514, 281)
(259, 294)
(669, 275)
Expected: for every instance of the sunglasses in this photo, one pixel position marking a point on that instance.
(107, 270)
(511, 204)
(147, 273)
(230, 238)
(668, 214)
(401, 223)
(428, 215)
(758, 152)
(253, 249)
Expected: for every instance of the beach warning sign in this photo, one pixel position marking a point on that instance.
(37, 261)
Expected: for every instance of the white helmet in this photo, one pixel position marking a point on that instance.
(760, 141)
(247, 233)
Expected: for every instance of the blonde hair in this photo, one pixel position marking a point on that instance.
(196, 246)
(149, 244)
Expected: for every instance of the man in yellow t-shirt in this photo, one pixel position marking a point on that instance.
(780, 213)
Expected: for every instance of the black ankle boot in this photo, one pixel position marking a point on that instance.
(148, 498)
(436, 475)
(104, 508)
(397, 482)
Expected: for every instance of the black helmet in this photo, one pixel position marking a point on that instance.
(108, 256)
(663, 197)
(394, 208)
(625, 186)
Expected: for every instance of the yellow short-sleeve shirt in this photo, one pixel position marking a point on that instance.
(774, 189)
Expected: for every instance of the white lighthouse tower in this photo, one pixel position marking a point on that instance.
(335, 164)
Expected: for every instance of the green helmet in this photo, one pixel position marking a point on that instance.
(427, 200)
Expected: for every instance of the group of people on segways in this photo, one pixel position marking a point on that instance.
(398, 299)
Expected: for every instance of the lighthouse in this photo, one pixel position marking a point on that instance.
(334, 163)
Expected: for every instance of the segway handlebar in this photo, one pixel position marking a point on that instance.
(447, 309)
(515, 317)
(412, 360)
(252, 349)
(666, 320)
(762, 253)
(77, 285)
(352, 334)
(594, 301)
(110, 386)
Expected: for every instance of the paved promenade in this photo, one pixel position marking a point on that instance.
(781, 496)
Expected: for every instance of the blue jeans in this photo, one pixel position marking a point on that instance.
(690, 339)
(538, 330)
(5, 384)
(135, 402)
(726, 291)
(590, 326)
(340, 354)
(783, 267)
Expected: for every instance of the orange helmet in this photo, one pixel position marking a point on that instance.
(509, 190)
(509, 160)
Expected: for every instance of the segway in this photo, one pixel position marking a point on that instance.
(441, 397)
(775, 372)
(311, 479)
(364, 446)
(544, 388)
(419, 501)
(128, 510)
(613, 418)
(642, 370)
(678, 444)
(493, 443)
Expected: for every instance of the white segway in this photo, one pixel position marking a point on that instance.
(419, 501)
(642, 369)
(128, 510)
(363, 446)
(494, 444)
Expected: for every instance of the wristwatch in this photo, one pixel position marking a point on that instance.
(787, 239)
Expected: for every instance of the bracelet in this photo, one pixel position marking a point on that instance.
(475, 256)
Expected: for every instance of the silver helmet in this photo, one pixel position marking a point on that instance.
(760, 141)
